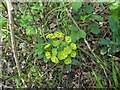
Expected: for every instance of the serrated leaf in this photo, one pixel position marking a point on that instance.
(76, 5)
(94, 28)
(82, 34)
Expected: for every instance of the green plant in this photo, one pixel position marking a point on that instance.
(112, 45)
(59, 48)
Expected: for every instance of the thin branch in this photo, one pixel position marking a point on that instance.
(11, 24)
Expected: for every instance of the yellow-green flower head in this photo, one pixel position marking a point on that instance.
(58, 34)
(56, 42)
(67, 49)
(73, 46)
(48, 55)
(54, 52)
(62, 55)
(47, 46)
(73, 54)
(50, 36)
(54, 59)
(68, 39)
(61, 35)
(68, 60)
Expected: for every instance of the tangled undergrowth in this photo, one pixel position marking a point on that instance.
(62, 45)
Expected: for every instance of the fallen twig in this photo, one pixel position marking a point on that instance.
(11, 24)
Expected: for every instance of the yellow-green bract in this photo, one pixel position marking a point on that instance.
(68, 39)
(54, 59)
(48, 55)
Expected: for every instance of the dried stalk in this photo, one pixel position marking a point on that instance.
(11, 24)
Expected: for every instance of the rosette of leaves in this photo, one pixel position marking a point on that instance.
(60, 48)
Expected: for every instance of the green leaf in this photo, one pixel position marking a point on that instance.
(114, 74)
(82, 34)
(113, 49)
(54, 52)
(30, 31)
(76, 5)
(75, 62)
(40, 55)
(88, 8)
(105, 41)
(84, 17)
(113, 24)
(98, 83)
(113, 6)
(40, 40)
(75, 36)
(94, 28)
(104, 50)
(73, 28)
(56, 43)
(45, 60)
(97, 17)
(68, 68)
(18, 83)
(38, 49)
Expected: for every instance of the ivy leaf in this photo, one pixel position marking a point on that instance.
(94, 28)
(88, 8)
(73, 28)
(112, 23)
(75, 36)
(82, 34)
(76, 5)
